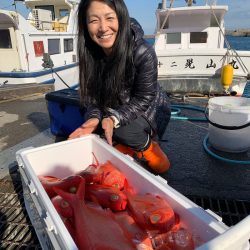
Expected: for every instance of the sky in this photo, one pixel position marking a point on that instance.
(238, 15)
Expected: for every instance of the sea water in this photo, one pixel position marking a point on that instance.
(238, 43)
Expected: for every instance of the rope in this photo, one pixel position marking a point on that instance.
(243, 66)
(176, 110)
(163, 24)
(231, 161)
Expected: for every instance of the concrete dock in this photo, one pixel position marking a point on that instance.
(24, 122)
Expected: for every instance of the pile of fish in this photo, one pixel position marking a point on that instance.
(101, 210)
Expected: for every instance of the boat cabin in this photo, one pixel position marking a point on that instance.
(190, 27)
(8, 42)
(50, 15)
(49, 29)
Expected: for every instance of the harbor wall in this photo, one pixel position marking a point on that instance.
(238, 32)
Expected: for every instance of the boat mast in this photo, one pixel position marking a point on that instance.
(14, 4)
(213, 2)
(164, 4)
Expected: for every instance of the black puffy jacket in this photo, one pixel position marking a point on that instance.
(144, 97)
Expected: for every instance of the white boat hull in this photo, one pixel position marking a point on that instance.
(189, 43)
(199, 71)
(67, 73)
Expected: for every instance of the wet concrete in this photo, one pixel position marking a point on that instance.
(21, 119)
(11, 92)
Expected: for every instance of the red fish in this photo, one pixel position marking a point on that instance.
(107, 197)
(112, 176)
(137, 235)
(180, 239)
(95, 230)
(48, 182)
(178, 223)
(66, 212)
(67, 184)
(90, 174)
(62, 207)
(69, 225)
(151, 212)
(105, 174)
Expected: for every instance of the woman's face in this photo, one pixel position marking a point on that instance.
(102, 25)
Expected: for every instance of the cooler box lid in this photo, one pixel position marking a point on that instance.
(67, 96)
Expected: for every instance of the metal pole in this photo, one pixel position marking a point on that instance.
(17, 19)
(15, 6)
(164, 4)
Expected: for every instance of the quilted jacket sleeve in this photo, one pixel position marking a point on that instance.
(144, 87)
(93, 112)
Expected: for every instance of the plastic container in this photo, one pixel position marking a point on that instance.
(234, 112)
(64, 111)
(65, 158)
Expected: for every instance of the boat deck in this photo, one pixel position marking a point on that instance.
(193, 171)
(219, 186)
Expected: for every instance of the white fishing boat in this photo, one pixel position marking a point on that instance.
(41, 48)
(189, 43)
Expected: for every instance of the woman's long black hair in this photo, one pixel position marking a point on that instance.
(102, 78)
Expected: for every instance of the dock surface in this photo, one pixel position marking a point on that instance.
(216, 185)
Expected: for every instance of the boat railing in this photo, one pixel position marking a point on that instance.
(163, 4)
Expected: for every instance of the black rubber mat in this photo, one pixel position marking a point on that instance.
(16, 230)
(231, 211)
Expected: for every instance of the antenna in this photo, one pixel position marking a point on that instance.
(14, 4)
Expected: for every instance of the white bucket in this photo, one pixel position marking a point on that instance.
(229, 111)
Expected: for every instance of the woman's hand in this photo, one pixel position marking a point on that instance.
(87, 128)
(108, 126)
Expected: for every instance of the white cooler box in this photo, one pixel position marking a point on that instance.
(65, 158)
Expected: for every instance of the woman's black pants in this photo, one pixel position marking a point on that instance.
(136, 134)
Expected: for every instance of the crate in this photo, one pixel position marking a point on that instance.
(67, 157)
(64, 111)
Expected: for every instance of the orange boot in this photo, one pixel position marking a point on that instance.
(156, 158)
(124, 149)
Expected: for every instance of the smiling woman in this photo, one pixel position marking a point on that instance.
(102, 25)
(118, 82)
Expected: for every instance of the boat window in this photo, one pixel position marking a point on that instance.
(63, 12)
(198, 37)
(5, 41)
(68, 45)
(47, 7)
(54, 46)
(173, 38)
